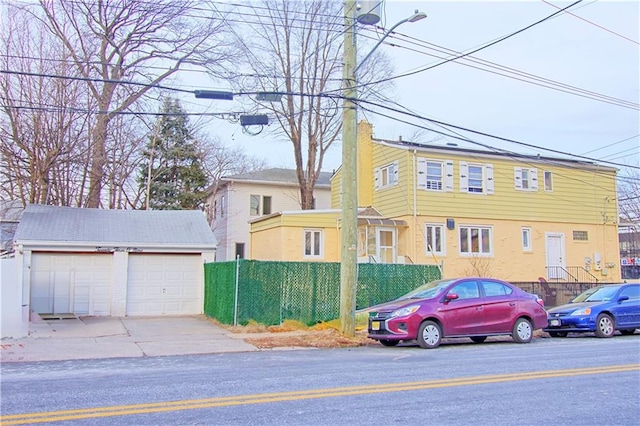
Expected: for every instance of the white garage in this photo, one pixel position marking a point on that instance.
(163, 284)
(98, 262)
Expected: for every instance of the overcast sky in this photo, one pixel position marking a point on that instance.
(595, 49)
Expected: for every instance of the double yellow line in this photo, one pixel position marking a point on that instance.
(263, 398)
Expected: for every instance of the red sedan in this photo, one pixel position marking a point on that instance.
(462, 307)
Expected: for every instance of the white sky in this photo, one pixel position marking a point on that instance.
(566, 49)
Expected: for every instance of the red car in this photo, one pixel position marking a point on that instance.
(463, 307)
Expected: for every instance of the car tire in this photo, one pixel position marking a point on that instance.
(479, 339)
(389, 342)
(628, 332)
(605, 327)
(522, 331)
(558, 333)
(429, 335)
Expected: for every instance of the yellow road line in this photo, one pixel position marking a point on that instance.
(192, 404)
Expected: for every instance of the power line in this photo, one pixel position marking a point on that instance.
(478, 49)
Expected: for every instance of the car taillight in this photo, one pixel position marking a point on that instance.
(540, 301)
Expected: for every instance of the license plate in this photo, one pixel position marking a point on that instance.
(555, 323)
(375, 325)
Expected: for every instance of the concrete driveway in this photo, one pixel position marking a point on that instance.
(108, 337)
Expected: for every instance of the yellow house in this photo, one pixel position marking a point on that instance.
(473, 212)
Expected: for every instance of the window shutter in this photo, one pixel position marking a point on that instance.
(489, 183)
(422, 173)
(517, 177)
(448, 175)
(533, 173)
(377, 179)
(396, 167)
(464, 176)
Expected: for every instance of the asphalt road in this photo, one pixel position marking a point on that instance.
(577, 381)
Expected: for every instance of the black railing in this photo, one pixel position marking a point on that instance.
(570, 274)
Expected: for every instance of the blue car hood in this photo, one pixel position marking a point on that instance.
(570, 307)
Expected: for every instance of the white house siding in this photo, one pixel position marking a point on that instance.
(234, 227)
(77, 283)
(165, 284)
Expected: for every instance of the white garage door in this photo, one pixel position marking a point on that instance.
(165, 284)
(78, 283)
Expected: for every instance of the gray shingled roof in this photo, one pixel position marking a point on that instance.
(78, 225)
(277, 176)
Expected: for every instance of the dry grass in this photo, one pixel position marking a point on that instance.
(294, 334)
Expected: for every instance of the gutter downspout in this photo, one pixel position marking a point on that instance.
(415, 206)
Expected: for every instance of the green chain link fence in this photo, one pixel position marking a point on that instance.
(270, 292)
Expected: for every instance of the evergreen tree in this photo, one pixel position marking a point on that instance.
(178, 180)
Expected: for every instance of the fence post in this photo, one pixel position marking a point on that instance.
(235, 301)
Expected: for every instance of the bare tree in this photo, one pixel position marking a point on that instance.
(114, 41)
(43, 119)
(295, 48)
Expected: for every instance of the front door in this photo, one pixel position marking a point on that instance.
(386, 245)
(555, 257)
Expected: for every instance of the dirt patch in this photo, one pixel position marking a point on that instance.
(293, 334)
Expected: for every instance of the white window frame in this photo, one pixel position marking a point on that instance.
(525, 179)
(527, 243)
(386, 176)
(315, 238)
(469, 238)
(444, 184)
(486, 178)
(430, 230)
(392, 249)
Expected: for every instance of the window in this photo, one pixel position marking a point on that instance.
(312, 243)
(475, 240)
(222, 205)
(215, 209)
(386, 176)
(266, 204)
(435, 175)
(254, 205)
(434, 236)
(493, 289)
(525, 179)
(466, 290)
(526, 239)
(476, 178)
(548, 181)
(580, 236)
(239, 250)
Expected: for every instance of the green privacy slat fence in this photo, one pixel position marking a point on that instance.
(270, 292)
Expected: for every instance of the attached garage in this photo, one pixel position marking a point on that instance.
(112, 262)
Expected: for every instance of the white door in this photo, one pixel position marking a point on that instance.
(165, 284)
(78, 283)
(386, 247)
(555, 256)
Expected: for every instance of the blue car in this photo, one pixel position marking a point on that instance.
(601, 310)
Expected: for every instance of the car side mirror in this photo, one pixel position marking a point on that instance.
(451, 296)
(623, 298)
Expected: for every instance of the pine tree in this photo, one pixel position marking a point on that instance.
(178, 180)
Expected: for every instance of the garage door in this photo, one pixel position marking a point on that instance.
(78, 283)
(165, 284)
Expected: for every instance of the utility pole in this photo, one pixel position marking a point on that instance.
(349, 202)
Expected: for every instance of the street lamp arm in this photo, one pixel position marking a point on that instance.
(415, 17)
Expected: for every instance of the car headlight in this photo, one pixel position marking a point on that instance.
(403, 312)
(583, 311)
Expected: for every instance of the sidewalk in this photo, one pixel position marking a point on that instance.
(108, 337)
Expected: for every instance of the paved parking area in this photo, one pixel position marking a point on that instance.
(108, 337)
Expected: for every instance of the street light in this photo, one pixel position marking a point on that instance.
(349, 236)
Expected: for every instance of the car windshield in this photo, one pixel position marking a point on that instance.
(598, 294)
(428, 290)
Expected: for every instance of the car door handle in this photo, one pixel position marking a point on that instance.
(512, 303)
